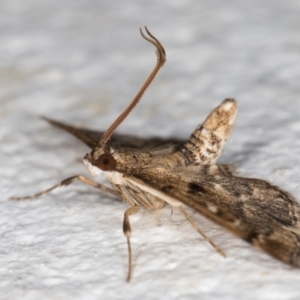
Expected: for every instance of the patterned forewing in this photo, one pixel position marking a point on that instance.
(155, 145)
(253, 209)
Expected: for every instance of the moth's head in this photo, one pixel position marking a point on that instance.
(100, 159)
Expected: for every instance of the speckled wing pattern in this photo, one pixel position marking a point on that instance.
(253, 209)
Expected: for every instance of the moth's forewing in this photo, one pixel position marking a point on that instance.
(253, 209)
(91, 138)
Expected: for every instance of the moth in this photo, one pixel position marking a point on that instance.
(152, 172)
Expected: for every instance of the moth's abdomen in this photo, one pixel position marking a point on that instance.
(208, 140)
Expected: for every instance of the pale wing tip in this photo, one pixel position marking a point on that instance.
(228, 104)
(222, 118)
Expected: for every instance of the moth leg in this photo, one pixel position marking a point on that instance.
(127, 232)
(221, 252)
(68, 181)
(172, 211)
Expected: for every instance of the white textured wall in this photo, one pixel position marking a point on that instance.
(82, 62)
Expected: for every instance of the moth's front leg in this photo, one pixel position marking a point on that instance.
(68, 181)
(134, 209)
(127, 232)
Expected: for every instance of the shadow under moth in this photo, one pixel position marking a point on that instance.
(150, 172)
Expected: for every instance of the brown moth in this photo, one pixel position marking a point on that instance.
(150, 172)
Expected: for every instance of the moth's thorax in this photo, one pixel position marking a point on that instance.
(134, 163)
(130, 162)
(126, 162)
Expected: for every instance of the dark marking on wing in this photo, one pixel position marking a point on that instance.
(253, 209)
(166, 188)
(195, 188)
(251, 237)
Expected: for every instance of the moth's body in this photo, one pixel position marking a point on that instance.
(152, 172)
(253, 209)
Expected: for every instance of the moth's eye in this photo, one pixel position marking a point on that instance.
(106, 162)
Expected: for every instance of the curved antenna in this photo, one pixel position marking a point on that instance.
(161, 59)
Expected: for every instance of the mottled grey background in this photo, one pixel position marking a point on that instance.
(82, 62)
